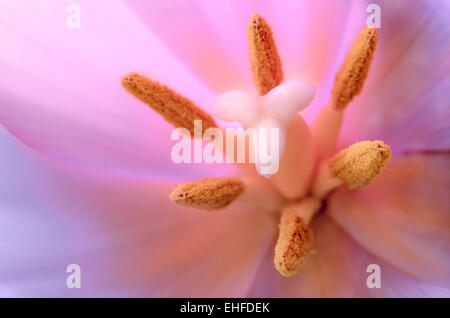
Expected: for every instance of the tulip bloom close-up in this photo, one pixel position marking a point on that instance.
(112, 184)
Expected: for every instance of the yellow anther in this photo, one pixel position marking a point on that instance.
(208, 193)
(359, 164)
(350, 78)
(175, 108)
(264, 59)
(295, 239)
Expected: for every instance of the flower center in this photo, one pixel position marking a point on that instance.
(309, 168)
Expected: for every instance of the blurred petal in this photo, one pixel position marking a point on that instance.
(208, 36)
(403, 218)
(60, 88)
(405, 100)
(126, 236)
(338, 269)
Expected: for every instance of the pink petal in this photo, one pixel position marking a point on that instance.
(203, 34)
(338, 269)
(403, 217)
(405, 99)
(61, 94)
(126, 236)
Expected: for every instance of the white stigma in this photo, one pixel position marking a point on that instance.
(276, 109)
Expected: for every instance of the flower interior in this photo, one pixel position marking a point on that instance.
(310, 167)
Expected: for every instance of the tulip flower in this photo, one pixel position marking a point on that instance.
(88, 108)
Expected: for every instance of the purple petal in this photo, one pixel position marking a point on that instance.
(126, 236)
(405, 100)
(403, 216)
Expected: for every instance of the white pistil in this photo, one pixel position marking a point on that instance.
(266, 114)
